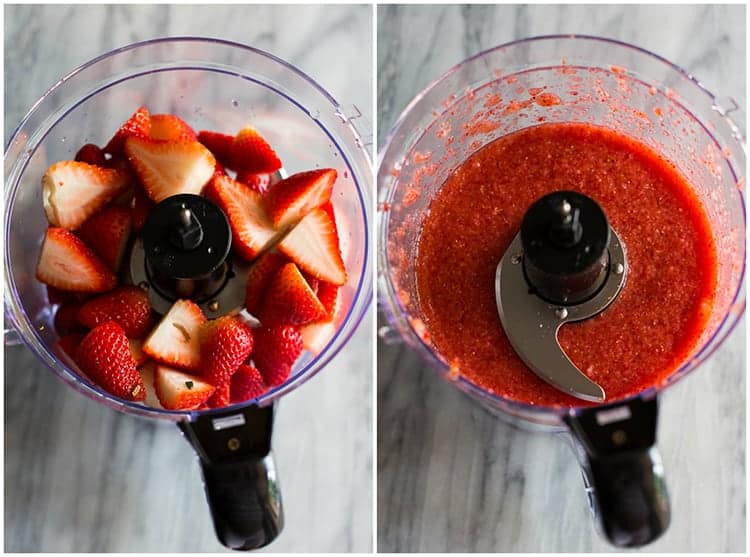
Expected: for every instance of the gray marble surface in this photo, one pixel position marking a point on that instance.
(453, 478)
(80, 477)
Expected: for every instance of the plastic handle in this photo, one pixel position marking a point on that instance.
(623, 470)
(239, 475)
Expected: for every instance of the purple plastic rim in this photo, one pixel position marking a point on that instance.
(363, 293)
(736, 307)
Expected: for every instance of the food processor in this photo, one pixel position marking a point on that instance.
(218, 85)
(560, 79)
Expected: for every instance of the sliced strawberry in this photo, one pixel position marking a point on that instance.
(104, 356)
(314, 245)
(136, 350)
(251, 153)
(247, 383)
(316, 335)
(138, 125)
(91, 154)
(257, 182)
(289, 300)
(140, 205)
(312, 282)
(148, 374)
(221, 397)
(220, 144)
(68, 264)
(179, 391)
(118, 162)
(276, 350)
(167, 168)
(252, 231)
(175, 340)
(69, 343)
(219, 169)
(128, 306)
(328, 294)
(66, 319)
(169, 127)
(261, 273)
(292, 198)
(107, 233)
(225, 343)
(73, 191)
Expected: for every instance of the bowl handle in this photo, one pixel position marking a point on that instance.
(239, 474)
(622, 469)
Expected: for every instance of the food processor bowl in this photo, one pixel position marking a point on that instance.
(217, 85)
(555, 79)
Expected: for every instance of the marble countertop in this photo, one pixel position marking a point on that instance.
(82, 478)
(451, 477)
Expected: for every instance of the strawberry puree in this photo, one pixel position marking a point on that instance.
(651, 328)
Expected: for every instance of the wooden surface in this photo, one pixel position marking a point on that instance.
(82, 478)
(451, 477)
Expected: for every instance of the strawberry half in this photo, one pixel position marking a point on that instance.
(104, 356)
(68, 264)
(179, 391)
(148, 374)
(140, 205)
(247, 383)
(66, 319)
(251, 153)
(167, 168)
(260, 276)
(276, 350)
(73, 191)
(252, 231)
(225, 343)
(221, 397)
(316, 335)
(289, 300)
(257, 182)
(175, 339)
(138, 125)
(169, 127)
(328, 294)
(69, 343)
(91, 154)
(107, 233)
(220, 144)
(314, 245)
(128, 306)
(292, 198)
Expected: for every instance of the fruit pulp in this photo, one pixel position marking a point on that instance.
(655, 323)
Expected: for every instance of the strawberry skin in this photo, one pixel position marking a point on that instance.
(104, 356)
(107, 233)
(73, 191)
(247, 383)
(314, 246)
(175, 339)
(292, 198)
(66, 319)
(221, 397)
(252, 231)
(257, 182)
(169, 127)
(225, 343)
(328, 294)
(220, 144)
(251, 153)
(69, 343)
(260, 276)
(91, 154)
(276, 350)
(177, 390)
(140, 205)
(68, 264)
(167, 168)
(138, 125)
(136, 350)
(289, 300)
(128, 306)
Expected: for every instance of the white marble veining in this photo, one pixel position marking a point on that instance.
(453, 478)
(80, 477)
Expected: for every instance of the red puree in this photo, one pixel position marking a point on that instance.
(644, 335)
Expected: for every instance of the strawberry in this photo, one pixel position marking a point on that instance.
(138, 125)
(257, 182)
(104, 356)
(69, 343)
(167, 168)
(220, 144)
(221, 396)
(107, 233)
(261, 273)
(316, 335)
(251, 153)
(175, 339)
(68, 264)
(328, 294)
(252, 231)
(136, 350)
(169, 127)
(314, 245)
(91, 154)
(247, 383)
(289, 300)
(312, 282)
(118, 162)
(148, 373)
(179, 391)
(292, 198)
(66, 319)
(73, 191)
(128, 306)
(140, 205)
(56, 296)
(276, 350)
(225, 343)
(219, 169)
